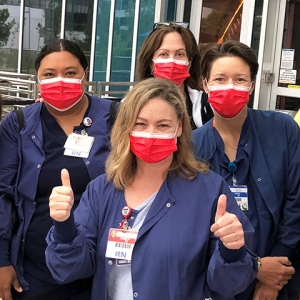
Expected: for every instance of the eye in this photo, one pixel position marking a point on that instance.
(219, 79)
(48, 75)
(240, 80)
(70, 73)
(163, 126)
(163, 54)
(139, 125)
(181, 54)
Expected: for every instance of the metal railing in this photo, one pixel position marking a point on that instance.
(18, 87)
(108, 89)
(18, 90)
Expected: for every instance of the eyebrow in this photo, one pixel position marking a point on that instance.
(160, 121)
(66, 69)
(224, 74)
(180, 49)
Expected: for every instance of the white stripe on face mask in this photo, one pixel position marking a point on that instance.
(63, 79)
(156, 135)
(224, 87)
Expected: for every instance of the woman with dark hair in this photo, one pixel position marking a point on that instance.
(69, 129)
(258, 153)
(170, 51)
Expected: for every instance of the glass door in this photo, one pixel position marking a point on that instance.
(281, 77)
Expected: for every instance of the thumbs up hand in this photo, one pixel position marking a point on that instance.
(61, 199)
(227, 226)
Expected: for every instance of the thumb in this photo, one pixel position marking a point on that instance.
(284, 260)
(221, 207)
(17, 286)
(65, 178)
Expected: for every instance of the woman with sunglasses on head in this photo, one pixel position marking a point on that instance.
(170, 51)
(69, 129)
(156, 225)
(258, 154)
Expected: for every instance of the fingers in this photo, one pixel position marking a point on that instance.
(7, 295)
(16, 285)
(39, 100)
(221, 207)
(274, 273)
(61, 199)
(227, 226)
(8, 277)
(65, 178)
(284, 260)
(264, 292)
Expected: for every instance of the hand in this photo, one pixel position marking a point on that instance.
(8, 278)
(275, 271)
(39, 100)
(227, 226)
(61, 199)
(264, 292)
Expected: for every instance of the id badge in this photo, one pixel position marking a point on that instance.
(120, 243)
(240, 193)
(78, 145)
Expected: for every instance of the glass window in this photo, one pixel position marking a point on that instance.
(11, 2)
(79, 21)
(9, 35)
(289, 72)
(122, 37)
(41, 25)
(288, 103)
(257, 26)
(290, 60)
(102, 29)
(170, 11)
(221, 21)
(122, 41)
(146, 18)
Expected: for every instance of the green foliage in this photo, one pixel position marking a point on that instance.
(5, 26)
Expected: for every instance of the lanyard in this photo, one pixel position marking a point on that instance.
(126, 213)
(231, 167)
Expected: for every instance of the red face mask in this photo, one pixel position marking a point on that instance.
(61, 93)
(152, 147)
(228, 100)
(171, 69)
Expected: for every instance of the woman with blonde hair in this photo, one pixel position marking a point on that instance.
(159, 225)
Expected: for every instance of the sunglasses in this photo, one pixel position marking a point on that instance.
(162, 24)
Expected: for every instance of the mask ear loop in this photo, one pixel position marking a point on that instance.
(176, 131)
(208, 86)
(250, 87)
(82, 76)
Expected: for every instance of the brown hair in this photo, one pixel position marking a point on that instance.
(121, 164)
(58, 46)
(152, 44)
(229, 48)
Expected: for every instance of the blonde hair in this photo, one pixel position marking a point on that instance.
(121, 164)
